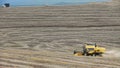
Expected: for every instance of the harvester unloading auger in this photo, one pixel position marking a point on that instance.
(90, 50)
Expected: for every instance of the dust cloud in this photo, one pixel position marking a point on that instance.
(112, 53)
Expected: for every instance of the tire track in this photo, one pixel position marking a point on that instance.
(21, 64)
(72, 26)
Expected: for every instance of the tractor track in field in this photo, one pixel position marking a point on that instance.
(15, 62)
(32, 61)
(35, 26)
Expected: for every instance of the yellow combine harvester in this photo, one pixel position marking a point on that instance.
(90, 50)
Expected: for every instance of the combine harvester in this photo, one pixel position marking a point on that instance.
(90, 50)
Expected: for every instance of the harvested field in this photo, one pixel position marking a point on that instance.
(45, 37)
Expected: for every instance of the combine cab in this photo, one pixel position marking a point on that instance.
(90, 50)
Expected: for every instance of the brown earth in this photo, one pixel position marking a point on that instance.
(45, 37)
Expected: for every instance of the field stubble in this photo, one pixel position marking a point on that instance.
(45, 37)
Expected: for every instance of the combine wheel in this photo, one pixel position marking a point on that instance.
(100, 55)
(94, 54)
(85, 54)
